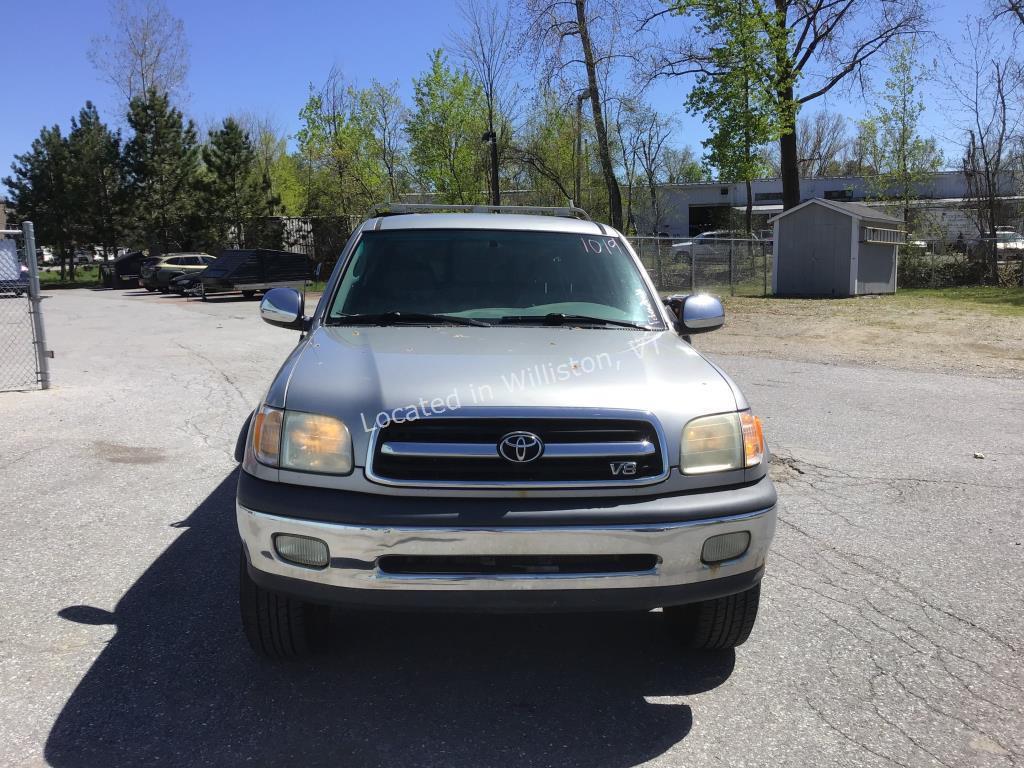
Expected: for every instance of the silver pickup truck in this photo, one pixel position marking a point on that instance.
(492, 409)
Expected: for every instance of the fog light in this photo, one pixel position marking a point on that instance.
(301, 550)
(725, 547)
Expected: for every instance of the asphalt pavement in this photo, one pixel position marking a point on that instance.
(891, 628)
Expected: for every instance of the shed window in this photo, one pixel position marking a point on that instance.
(879, 235)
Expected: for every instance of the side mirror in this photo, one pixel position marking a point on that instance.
(696, 313)
(283, 307)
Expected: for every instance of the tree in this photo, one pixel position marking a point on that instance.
(148, 51)
(902, 159)
(382, 115)
(554, 23)
(236, 191)
(734, 96)
(986, 84)
(273, 160)
(627, 122)
(162, 165)
(833, 40)
(545, 149)
(41, 191)
(821, 140)
(654, 134)
(1012, 8)
(683, 167)
(444, 132)
(351, 153)
(487, 46)
(96, 180)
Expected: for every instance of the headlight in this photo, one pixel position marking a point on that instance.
(719, 443)
(306, 442)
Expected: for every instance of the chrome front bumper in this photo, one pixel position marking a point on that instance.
(354, 551)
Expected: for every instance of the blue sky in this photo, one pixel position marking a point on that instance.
(260, 56)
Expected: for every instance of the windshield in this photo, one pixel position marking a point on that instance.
(494, 276)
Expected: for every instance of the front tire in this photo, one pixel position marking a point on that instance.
(248, 294)
(714, 625)
(278, 626)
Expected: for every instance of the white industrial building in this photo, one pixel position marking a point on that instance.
(689, 209)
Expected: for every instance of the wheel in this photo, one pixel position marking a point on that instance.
(278, 626)
(248, 294)
(148, 288)
(724, 622)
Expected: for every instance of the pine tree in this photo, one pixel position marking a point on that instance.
(97, 179)
(162, 165)
(235, 192)
(41, 192)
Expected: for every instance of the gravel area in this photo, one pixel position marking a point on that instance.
(916, 334)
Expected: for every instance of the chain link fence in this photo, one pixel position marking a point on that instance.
(936, 263)
(733, 266)
(23, 357)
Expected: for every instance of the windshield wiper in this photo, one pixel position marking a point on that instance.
(402, 318)
(559, 318)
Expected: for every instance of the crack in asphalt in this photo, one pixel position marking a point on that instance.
(927, 648)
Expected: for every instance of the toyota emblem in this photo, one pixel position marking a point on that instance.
(521, 447)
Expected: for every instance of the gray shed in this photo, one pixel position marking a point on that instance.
(831, 248)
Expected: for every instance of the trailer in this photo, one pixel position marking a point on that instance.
(258, 269)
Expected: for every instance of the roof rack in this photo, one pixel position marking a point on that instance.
(393, 209)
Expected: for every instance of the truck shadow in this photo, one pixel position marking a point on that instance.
(177, 684)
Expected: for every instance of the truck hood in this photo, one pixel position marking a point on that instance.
(366, 375)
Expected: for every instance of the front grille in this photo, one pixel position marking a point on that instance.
(514, 565)
(434, 450)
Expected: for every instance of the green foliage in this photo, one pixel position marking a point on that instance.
(546, 151)
(899, 156)
(41, 187)
(682, 167)
(349, 148)
(445, 129)
(162, 164)
(235, 190)
(923, 270)
(286, 183)
(736, 92)
(97, 180)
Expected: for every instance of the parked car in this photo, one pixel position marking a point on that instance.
(14, 275)
(255, 270)
(494, 411)
(1008, 241)
(715, 244)
(156, 272)
(124, 271)
(187, 283)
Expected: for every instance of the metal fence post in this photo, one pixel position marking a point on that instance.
(764, 261)
(35, 305)
(732, 270)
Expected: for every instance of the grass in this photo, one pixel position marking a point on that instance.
(1002, 301)
(86, 276)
